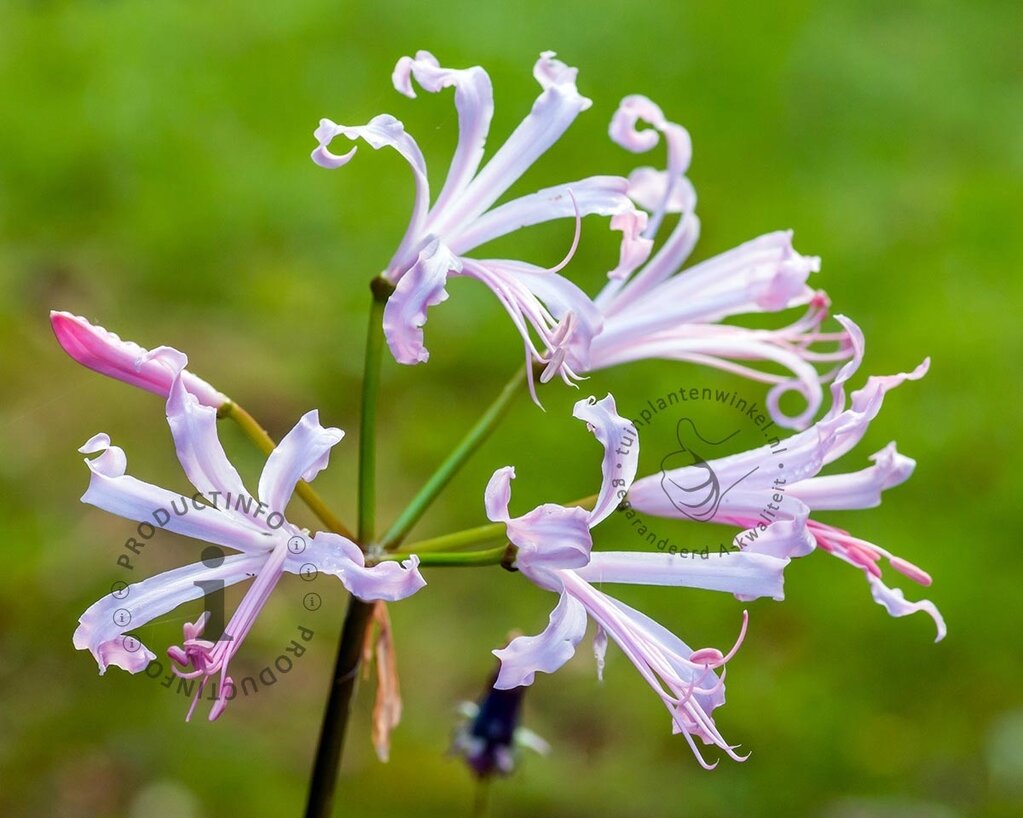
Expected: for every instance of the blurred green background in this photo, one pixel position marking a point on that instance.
(154, 176)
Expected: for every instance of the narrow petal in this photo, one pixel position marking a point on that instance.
(670, 256)
(860, 489)
(113, 491)
(597, 195)
(635, 247)
(474, 99)
(552, 537)
(857, 349)
(525, 656)
(651, 188)
(104, 352)
(498, 494)
(895, 602)
(634, 109)
(843, 427)
(660, 192)
(334, 554)
(725, 347)
(851, 426)
(420, 288)
(620, 440)
(383, 131)
(103, 626)
(553, 112)
(763, 275)
(200, 452)
(805, 454)
(747, 575)
(693, 487)
(301, 455)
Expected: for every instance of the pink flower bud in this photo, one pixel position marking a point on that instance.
(107, 354)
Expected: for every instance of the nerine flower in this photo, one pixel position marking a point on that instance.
(554, 317)
(554, 551)
(664, 311)
(770, 492)
(223, 513)
(104, 352)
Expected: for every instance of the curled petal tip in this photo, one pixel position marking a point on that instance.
(401, 78)
(426, 69)
(553, 73)
(325, 159)
(326, 130)
(97, 443)
(622, 129)
(331, 161)
(116, 652)
(636, 108)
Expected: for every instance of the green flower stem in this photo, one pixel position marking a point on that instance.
(460, 539)
(492, 556)
(368, 426)
(359, 615)
(449, 468)
(470, 536)
(258, 435)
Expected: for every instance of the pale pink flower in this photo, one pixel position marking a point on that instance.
(664, 311)
(554, 317)
(771, 491)
(554, 551)
(104, 352)
(224, 513)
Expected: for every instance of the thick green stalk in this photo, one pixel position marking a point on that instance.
(258, 435)
(454, 461)
(360, 614)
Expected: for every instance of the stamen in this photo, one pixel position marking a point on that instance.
(712, 657)
(907, 569)
(575, 241)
